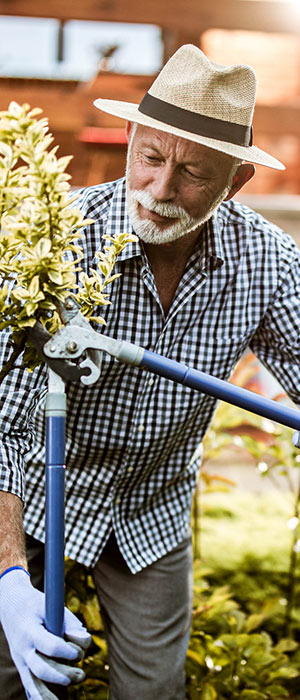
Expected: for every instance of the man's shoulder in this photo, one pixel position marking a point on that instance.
(97, 199)
(238, 214)
(242, 220)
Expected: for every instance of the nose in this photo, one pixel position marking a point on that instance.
(163, 185)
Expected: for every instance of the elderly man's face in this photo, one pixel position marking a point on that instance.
(173, 185)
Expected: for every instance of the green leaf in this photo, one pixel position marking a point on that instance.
(254, 621)
(198, 656)
(5, 149)
(208, 692)
(253, 695)
(91, 613)
(34, 287)
(286, 645)
(30, 308)
(43, 247)
(260, 659)
(98, 319)
(277, 691)
(55, 276)
(112, 278)
(73, 603)
(100, 643)
(15, 109)
(26, 323)
(20, 293)
(285, 672)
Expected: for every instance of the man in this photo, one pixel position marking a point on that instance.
(206, 279)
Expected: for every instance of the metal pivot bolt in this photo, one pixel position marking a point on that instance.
(69, 304)
(71, 346)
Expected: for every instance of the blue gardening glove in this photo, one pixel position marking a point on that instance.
(38, 654)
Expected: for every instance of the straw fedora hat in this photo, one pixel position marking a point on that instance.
(199, 100)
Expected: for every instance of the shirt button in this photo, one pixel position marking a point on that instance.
(130, 469)
(151, 382)
(118, 501)
(141, 428)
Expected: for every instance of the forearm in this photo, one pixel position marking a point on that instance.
(12, 538)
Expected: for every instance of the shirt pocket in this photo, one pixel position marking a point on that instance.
(219, 354)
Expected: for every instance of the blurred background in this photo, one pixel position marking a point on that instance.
(60, 56)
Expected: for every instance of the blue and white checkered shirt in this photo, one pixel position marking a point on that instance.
(132, 437)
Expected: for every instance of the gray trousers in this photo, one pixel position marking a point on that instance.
(147, 621)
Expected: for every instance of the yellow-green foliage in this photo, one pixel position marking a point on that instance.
(236, 650)
(40, 230)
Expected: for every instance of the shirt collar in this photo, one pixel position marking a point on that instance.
(211, 242)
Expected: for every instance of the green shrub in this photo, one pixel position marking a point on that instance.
(228, 658)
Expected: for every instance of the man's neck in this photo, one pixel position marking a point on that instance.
(168, 262)
(175, 253)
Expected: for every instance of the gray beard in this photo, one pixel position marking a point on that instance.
(149, 232)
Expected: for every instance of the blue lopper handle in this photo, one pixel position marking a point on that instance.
(205, 383)
(55, 449)
(54, 558)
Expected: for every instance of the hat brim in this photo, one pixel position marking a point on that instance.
(130, 112)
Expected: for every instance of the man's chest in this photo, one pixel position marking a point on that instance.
(167, 281)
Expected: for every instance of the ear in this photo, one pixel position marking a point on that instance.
(128, 130)
(243, 174)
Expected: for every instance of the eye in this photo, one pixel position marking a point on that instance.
(152, 159)
(192, 175)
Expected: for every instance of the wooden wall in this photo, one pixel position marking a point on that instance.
(178, 15)
(69, 104)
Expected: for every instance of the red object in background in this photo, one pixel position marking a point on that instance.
(103, 135)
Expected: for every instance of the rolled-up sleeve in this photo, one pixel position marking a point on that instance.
(276, 342)
(20, 392)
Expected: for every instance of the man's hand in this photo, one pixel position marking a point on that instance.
(38, 654)
(39, 691)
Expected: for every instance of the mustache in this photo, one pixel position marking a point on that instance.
(162, 208)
